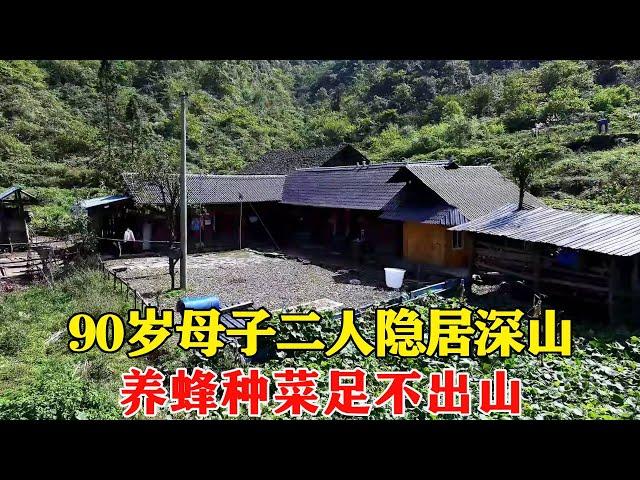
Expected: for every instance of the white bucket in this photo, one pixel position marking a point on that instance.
(394, 277)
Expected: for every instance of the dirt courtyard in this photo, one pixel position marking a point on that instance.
(245, 275)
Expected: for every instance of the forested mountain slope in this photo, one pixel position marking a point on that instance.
(67, 128)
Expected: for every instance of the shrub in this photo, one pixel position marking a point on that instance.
(12, 340)
(452, 109)
(58, 393)
(478, 99)
(493, 128)
(564, 101)
(517, 89)
(432, 137)
(435, 112)
(561, 73)
(459, 130)
(333, 127)
(523, 117)
(390, 144)
(607, 99)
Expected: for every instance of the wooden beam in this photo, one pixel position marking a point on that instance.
(526, 276)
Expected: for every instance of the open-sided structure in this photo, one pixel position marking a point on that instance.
(590, 257)
(14, 218)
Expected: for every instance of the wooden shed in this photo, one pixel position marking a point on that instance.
(590, 258)
(14, 217)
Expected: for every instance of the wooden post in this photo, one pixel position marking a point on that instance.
(240, 229)
(472, 251)
(536, 270)
(635, 291)
(183, 193)
(613, 282)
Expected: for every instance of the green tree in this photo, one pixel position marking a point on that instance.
(478, 99)
(451, 110)
(134, 122)
(608, 99)
(564, 101)
(107, 87)
(523, 168)
(564, 73)
(159, 167)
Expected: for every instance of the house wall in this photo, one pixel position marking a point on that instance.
(433, 244)
(13, 225)
(220, 225)
(593, 285)
(336, 228)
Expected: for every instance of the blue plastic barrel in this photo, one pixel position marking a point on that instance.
(197, 303)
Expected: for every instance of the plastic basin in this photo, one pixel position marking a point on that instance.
(394, 277)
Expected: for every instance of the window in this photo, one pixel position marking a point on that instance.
(457, 240)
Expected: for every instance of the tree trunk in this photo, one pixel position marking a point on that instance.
(521, 198)
(108, 111)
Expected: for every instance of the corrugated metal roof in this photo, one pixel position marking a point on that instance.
(607, 233)
(362, 187)
(11, 190)
(96, 202)
(208, 189)
(474, 190)
(438, 215)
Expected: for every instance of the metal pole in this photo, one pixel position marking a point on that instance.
(240, 236)
(183, 194)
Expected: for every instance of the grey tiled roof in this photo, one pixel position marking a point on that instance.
(474, 190)
(610, 234)
(438, 214)
(355, 187)
(207, 189)
(281, 162)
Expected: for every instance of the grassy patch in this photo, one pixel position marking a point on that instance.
(39, 377)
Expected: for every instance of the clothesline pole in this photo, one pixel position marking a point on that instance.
(240, 236)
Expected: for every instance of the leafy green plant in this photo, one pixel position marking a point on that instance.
(608, 99)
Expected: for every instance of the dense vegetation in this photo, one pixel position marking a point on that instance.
(67, 128)
(41, 379)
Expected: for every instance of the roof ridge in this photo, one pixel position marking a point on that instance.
(436, 163)
(353, 167)
(217, 175)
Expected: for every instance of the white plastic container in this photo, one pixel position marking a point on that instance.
(394, 277)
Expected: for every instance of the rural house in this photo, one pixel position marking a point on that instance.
(225, 211)
(592, 258)
(14, 218)
(395, 213)
(396, 210)
(107, 214)
(442, 194)
(282, 162)
(339, 208)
